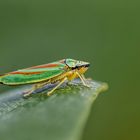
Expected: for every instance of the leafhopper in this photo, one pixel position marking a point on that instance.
(59, 71)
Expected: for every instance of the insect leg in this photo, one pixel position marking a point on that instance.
(50, 92)
(35, 87)
(82, 79)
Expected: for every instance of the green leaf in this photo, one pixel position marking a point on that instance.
(61, 116)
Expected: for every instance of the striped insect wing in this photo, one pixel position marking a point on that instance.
(33, 74)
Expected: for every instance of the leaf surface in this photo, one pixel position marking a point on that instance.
(61, 116)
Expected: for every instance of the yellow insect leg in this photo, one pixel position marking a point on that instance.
(50, 92)
(82, 79)
(35, 87)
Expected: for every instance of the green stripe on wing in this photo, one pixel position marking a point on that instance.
(17, 79)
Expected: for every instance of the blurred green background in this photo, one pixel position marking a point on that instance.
(105, 33)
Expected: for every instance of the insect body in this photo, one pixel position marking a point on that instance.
(63, 70)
